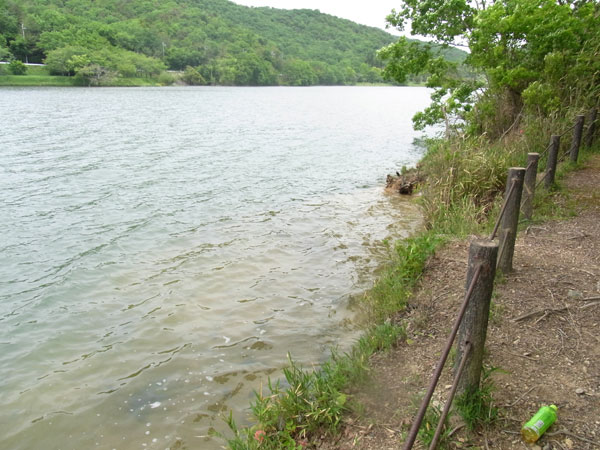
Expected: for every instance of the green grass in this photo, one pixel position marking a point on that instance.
(124, 82)
(393, 289)
(38, 76)
(477, 408)
(429, 425)
(313, 401)
(35, 80)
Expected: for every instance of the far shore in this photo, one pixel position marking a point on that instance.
(37, 75)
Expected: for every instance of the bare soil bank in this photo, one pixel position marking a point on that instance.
(543, 336)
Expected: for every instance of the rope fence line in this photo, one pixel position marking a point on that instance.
(558, 161)
(484, 257)
(541, 180)
(567, 130)
(588, 138)
(501, 213)
(545, 150)
(414, 430)
(451, 394)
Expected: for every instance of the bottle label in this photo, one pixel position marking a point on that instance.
(538, 425)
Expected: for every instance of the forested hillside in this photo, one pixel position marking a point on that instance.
(214, 41)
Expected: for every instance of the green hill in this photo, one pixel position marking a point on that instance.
(214, 41)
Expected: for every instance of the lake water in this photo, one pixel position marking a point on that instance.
(162, 249)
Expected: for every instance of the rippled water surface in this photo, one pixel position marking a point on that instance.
(162, 249)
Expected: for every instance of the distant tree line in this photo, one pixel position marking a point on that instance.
(210, 41)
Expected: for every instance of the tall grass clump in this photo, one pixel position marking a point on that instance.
(310, 402)
(464, 178)
(477, 408)
(466, 174)
(393, 289)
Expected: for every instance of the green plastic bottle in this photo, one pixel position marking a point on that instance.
(539, 423)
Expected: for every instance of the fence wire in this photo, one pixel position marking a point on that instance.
(414, 430)
(503, 209)
(450, 399)
(416, 425)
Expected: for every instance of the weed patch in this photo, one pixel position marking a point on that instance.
(429, 425)
(477, 408)
(311, 401)
(392, 291)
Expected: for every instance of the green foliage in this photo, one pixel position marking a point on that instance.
(5, 53)
(429, 425)
(166, 79)
(393, 289)
(314, 401)
(60, 61)
(299, 73)
(442, 19)
(404, 58)
(525, 55)
(92, 74)
(477, 408)
(17, 67)
(465, 176)
(192, 77)
(71, 60)
(225, 43)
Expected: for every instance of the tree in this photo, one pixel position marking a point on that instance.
(16, 67)
(95, 75)
(192, 77)
(226, 43)
(59, 61)
(5, 54)
(299, 73)
(521, 54)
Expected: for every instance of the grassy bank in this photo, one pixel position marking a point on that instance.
(39, 76)
(35, 80)
(465, 181)
(52, 80)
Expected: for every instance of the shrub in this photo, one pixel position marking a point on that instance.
(17, 67)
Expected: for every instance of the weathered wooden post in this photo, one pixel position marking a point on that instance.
(552, 161)
(589, 137)
(473, 328)
(510, 219)
(576, 141)
(529, 185)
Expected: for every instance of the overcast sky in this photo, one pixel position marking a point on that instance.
(367, 12)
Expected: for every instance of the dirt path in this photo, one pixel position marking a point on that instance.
(543, 336)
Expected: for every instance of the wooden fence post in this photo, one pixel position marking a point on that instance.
(552, 161)
(589, 137)
(529, 185)
(510, 219)
(576, 141)
(473, 327)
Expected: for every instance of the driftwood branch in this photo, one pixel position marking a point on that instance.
(590, 304)
(545, 311)
(573, 435)
(519, 399)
